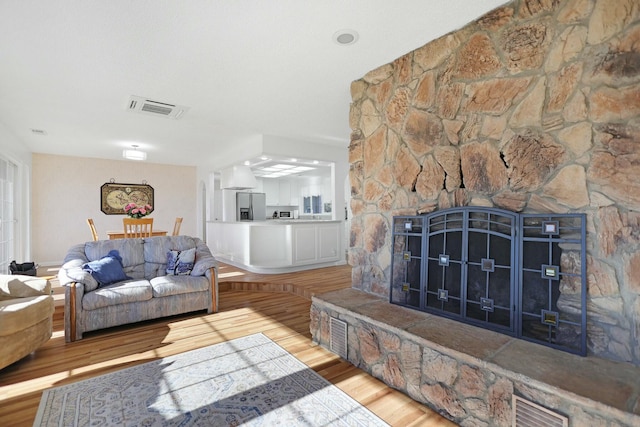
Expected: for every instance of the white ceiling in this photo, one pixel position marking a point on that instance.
(243, 67)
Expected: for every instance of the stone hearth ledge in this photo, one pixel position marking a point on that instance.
(586, 389)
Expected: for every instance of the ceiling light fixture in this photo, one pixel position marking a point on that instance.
(134, 154)
(345, 37)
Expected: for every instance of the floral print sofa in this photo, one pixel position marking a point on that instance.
(147, 290)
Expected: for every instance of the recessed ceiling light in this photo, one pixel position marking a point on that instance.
(345, 37)
(315, 162)
(247, 163)
(294, 160)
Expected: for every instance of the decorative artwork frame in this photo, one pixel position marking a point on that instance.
(114, 196)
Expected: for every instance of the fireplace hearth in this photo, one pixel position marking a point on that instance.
(520, 274)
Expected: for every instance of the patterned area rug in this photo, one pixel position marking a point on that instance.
(250, 381)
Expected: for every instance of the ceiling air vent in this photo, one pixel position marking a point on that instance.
(147, 106)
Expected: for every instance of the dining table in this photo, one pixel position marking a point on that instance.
(120, 234)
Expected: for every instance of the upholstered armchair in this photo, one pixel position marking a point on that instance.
(26, 316)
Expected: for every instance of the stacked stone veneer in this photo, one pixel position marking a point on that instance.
(535, 107)
(469, 374)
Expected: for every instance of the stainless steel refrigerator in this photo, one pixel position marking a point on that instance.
(251, 206)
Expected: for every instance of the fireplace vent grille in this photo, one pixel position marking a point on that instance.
(338, 337)
(529, 414)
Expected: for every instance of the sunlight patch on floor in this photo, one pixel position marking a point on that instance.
(230, 274)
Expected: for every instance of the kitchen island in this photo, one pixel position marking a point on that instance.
(278, 246)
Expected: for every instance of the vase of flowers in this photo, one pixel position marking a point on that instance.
(137, 212)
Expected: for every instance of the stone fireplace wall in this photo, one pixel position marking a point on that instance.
(535, 108)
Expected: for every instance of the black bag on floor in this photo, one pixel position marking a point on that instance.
(26, 268)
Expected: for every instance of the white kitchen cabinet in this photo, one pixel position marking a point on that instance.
(295, 192)
(316, 243)
(277, 246)
(328, 244)
(271, 187)
(305, 244)
(282, 192)
(284, 189)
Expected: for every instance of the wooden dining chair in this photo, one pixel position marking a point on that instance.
(176, 227)
(92, 227)
(142, 227)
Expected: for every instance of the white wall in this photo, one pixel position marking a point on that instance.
(66, 191)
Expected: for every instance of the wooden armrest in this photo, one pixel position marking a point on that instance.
(72, 311)
(214, 290)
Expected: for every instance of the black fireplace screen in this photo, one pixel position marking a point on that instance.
(520, 274)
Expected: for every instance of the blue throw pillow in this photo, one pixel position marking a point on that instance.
(180, 263)
(108, 269)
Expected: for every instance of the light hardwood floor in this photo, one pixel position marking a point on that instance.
(276, 305)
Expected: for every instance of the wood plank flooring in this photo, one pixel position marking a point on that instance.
(304, 283)
(276, 305)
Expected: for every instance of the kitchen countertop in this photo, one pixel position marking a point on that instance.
(278, 221)
(295, 221)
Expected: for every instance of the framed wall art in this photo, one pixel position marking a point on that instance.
(114, 197)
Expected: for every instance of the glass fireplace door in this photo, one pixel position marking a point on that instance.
(490, 265)
(470, 266)
(406, 263)
(445, 263)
